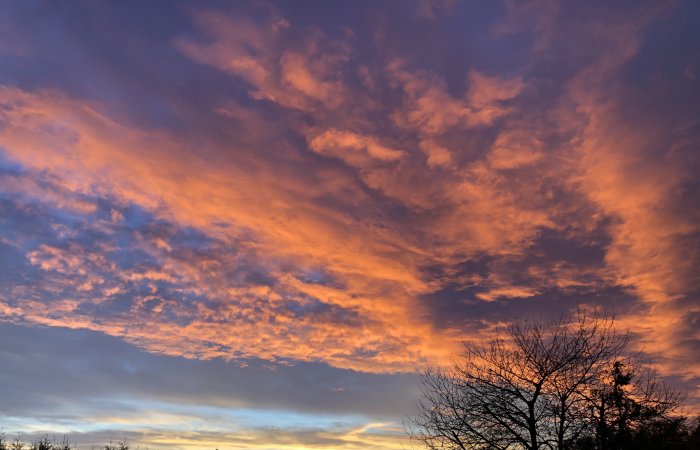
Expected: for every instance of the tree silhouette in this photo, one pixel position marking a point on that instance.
(537, 386)
(45, 443)
(632, 405)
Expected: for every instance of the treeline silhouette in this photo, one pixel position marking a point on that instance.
(561, 385)
(51, 443)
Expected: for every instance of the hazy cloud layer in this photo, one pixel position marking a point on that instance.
(97, 388)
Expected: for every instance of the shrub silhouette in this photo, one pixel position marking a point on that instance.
(50, 443)
(121, 445)
(17, 444)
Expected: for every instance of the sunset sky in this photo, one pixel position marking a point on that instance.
(249, 225)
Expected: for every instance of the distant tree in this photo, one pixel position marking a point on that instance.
(46, 443)
(675, 433)
(64, 444)
(17, 444)
(671, 433)
(535, 386)
(121, 445)
(694, 435)
(631, 405)
(42, 443)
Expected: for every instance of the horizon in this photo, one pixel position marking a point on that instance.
(251, 225)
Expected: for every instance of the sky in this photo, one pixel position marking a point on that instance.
(250, 225)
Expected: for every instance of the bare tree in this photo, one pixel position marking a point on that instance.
(17, 444)
(532, 387)
(121, 445)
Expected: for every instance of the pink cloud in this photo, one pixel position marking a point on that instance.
(422, 178)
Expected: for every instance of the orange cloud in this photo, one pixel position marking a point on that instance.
(515, 150)
(429, 108)
(256, 54)
(438, 156)
(370, 216)
(90, 153)
(354, 149)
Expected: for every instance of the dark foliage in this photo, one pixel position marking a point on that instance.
(677, 433)
(51, 443)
